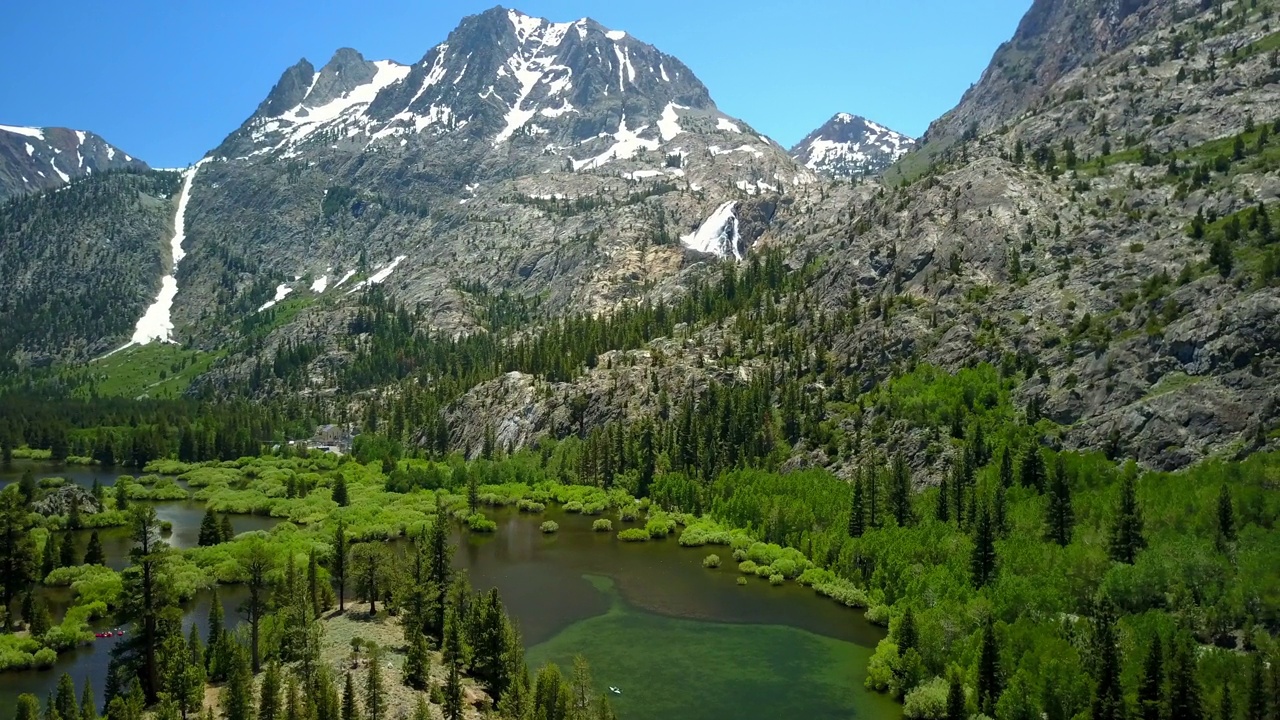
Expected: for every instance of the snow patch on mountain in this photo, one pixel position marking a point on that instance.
(282, 292)
(530, 65)
(156, 323)
(378, 277)
(727, 125)
(320, 285)
(626, 144)
(851, 146)
(28, 131)
(669, 123)
(718, 234)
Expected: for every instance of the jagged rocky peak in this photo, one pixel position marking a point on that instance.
(850, 146)
(34, 159)
(501, 76)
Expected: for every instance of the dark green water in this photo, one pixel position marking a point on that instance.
(679, 640)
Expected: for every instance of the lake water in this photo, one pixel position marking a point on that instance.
(679, 640)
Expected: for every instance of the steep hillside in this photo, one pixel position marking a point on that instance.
(35, 159)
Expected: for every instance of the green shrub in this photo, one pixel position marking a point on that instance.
(530, 506)
(602, 525)
(45, 658)
(747, 567)
(549, 527)
(927, 701)
(711, 561)
(594, 508)
(776, 579)
(763, 571)
(739, 555)
(628, 514)
(633, 535)
(477, 522)
(742, 580)
(573, 507)
(659, 526)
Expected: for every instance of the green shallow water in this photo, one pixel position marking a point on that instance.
(679, 640)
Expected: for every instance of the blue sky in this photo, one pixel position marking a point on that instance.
(166, 80)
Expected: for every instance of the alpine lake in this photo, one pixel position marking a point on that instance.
(675, 639)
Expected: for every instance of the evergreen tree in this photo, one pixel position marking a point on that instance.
(906, 635)
(900, 492)
(256, 563)
(38, 620)
(313, 584)
(121, 493)
(147, 592)
(1000, 512)
(1257, 702)
(340, 563)
(215, 656)
(1226, 518)
(421, 711)
(350, 708)
(269, 693)
(942, 511)
(1108, 696)
(67, 551)
(956, 706)
(1184, 686)
(65, 698)
(1031, 473)
(1126, 534)
(339, 493)
(990, 683)
(417, 664)
(28, 707)
(17, 552)
(375, 696)
(93, 555)
(1151, 686)
(210, 532)
(1226, 705)
(49, 558)
(550, 695)
(1006, 468)
(983, 563)
(228, 533)
(237, 703)
(439, 567)
(473, 493)
(369, 566)
(88, 707)
(857, 511)
(1059, 516)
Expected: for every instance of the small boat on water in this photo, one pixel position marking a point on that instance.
(615, 690)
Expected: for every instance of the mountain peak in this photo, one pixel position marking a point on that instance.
(850, 145)
(33, 159)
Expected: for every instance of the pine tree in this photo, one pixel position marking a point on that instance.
(900, 492)
(1006, 468)
(1226, 705)
(983, 562)
(339, 494)
(990, 683)
(28, 707)
(214, 656)
(88, 707)
(1226, 518)
(147, 593)
(67, 551)
(237, 703)
(956, 706)
(350, 708)
(1126, 535)
(210, 533)
(269, 693)
(1257, 702)
(49, 558)
(1184, 686)
(256, 564)
(473, 493)
(421, 711)
(313, 584)
(1059, 516)
(857, 511)
(227, 532)
(375, 696)
(65, 699)
(417, 664)
(439, 567)
(1031, 473)
(453, 693)
(121, 493)
(93, 555)
(18, 563)
(1151, 687)
(340, 563)
(1108, 697)
(1000, 512)
(942, 511)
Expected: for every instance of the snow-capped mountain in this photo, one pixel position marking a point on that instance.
(34, 159)
(849, 146)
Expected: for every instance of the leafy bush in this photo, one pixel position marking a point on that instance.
(711, 561)
(573, 507)
(928, 701)
(44, 658)
(776, 579)
(628, 514)
(602, 525)
(742, 580)
(763, 571)
(530, 506)
(549, 527)
(659, 526)
(477, 522)
(747, 567)
(633, 535)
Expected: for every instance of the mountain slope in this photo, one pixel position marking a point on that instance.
(849, 146)
(35, 159)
